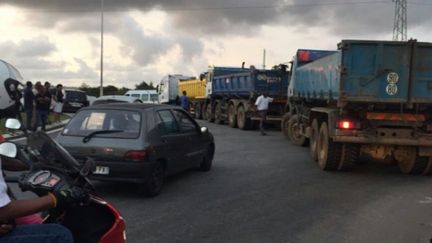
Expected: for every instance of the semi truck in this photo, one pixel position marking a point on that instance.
(168, 88)
(196, 92)
(370, 98)
(231, 93)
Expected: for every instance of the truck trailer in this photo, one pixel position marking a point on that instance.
(168, 88)
(367, 97)
(234, 90)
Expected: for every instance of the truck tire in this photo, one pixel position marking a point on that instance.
(232, 118)
(218, 119)
(415, 166)
(313, 140)
(209, 114)
(204, 111)
(334, 156)
(285, 126)
(243, 122)
(198, 111)
(294, 133)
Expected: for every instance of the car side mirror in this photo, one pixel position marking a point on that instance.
(8, 149)
(12, 123)
(204, 130)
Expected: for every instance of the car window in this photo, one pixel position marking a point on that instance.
(154, 97)
(167, 123)
(185, 122)
(135, 95)
(144, 97)
(72, 95)
(88, 121)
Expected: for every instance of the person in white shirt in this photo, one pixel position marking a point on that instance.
(262, 104)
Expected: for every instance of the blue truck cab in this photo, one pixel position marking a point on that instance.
(366, 97)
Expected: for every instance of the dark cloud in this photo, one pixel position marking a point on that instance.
(209, 17)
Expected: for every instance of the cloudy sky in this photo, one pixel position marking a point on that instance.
(59, 40)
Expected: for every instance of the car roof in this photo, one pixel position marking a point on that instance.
(135, 106)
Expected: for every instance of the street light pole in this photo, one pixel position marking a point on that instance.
(102, 45)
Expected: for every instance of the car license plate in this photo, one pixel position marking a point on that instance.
(75, 104)
(101, 170)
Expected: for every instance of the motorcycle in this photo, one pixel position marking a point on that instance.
(51, 168)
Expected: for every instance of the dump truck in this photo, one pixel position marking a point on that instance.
(231, 94)
(371, 98)
(196, 92)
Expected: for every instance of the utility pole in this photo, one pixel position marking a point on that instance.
(400, 20)
(102, 46)
(264, 58)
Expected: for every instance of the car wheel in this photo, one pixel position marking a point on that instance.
(207, 162)
(155, 182)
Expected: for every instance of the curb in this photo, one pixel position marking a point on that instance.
(48, 128)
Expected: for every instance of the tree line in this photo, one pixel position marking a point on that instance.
(113, 90)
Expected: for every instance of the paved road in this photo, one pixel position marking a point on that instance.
(263, 189)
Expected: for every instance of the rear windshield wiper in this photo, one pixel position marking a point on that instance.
(92, 134)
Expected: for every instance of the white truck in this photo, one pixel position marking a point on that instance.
(9, 75)
(168, 88)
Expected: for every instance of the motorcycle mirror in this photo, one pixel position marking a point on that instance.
(8, 149)
(12, 123)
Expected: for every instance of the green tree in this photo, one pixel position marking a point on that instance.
(144, 86)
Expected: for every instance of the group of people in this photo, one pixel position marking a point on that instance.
(38, 102)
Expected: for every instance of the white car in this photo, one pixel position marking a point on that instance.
(116, 99)
(146, 96)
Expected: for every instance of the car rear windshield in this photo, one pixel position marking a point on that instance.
(75, 95)
(127, 124)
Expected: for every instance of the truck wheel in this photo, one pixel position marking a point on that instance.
(198, 112)
(313, 140)
(232, 119)
(294, 132)
(218, 114)
(209, 114)
(285, 125)
(335, 156)
(242, 121)
(204, 111)
(415, 165)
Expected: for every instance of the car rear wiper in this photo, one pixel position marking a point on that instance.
(92, 134)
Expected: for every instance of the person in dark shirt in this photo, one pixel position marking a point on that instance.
(15, 95)
(29, 99)
(43, 102)
(58, 98)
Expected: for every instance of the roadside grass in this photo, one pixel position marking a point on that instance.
(51, 120)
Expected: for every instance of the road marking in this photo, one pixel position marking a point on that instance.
(49, 132)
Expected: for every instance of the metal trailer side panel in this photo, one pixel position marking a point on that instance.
(193, 87)
(318, 79)
(247, 84)
(422, 75)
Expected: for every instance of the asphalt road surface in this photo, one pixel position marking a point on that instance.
(263, 189)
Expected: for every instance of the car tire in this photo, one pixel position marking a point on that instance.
(153, 185)
(207, 161)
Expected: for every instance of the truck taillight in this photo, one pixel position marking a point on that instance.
(347, 124)
(136, 155)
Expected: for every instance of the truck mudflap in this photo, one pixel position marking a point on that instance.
(403, 137)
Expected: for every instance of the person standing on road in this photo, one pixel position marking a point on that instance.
(184, 101)
(58, 104)
(15, 95)
(29, 99)
(43, 101)
(262, 104)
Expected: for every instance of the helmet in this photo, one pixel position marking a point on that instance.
(9, 78)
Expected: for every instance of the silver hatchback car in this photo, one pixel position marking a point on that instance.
(139, 143)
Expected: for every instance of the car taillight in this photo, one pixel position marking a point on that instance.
(347, 124)
(136, 155)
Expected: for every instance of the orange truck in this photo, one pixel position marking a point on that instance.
(196, 92)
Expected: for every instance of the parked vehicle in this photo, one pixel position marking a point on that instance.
(116, 99)
(74, 100)
(8, 75)
(370, 97)
(140, 143)
(146, 96)
(51, 168)
(91, 99)
(196, 90)
(168, 88)
(231, 94)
